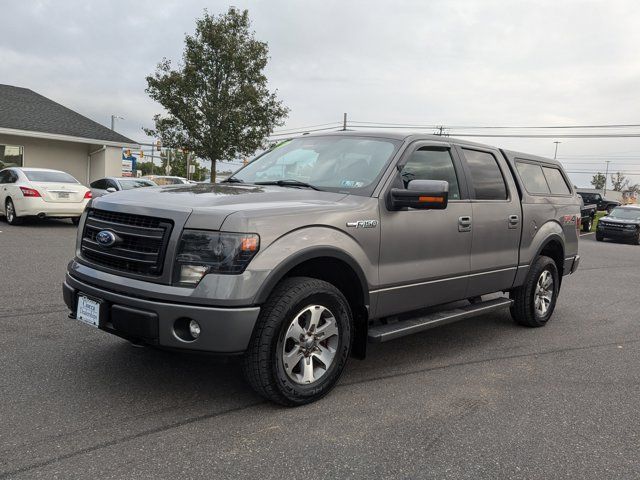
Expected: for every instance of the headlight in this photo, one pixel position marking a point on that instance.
(630, 227)
(201, 252)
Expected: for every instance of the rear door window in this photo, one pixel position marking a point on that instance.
(556, 181)
(533, 178)
(486, 177)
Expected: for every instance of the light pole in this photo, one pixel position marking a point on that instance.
(555, 154)
(113, 121)
(606, 177)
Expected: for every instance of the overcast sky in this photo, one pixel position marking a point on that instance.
(423, 62)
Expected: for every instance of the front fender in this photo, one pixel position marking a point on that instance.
(304, 244)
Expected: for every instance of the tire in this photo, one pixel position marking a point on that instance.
(534, 302)
(75, 221)
(282, 332)
(599, 237)
(10, 213)
(636, 239)
(586, 226)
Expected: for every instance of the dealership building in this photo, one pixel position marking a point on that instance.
(38, 132)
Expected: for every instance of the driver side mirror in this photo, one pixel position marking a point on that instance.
(420, 194)
(111, 190)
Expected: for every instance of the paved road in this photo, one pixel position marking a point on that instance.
(478, 399)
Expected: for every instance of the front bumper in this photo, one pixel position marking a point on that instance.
(223, 330)
(624, 233)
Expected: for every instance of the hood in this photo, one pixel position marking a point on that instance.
(207, 205)
(619, 221)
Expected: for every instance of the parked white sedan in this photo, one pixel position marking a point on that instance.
(41, 192)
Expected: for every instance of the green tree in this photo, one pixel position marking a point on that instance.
(176, 161)
(148, 168)
(619, 182)
(218, 102)
(598, 181)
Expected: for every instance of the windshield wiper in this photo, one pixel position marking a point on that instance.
(289, 183)
(232, 180)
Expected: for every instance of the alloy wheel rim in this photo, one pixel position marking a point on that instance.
(544, 293)
(10, 212)
(310, 344)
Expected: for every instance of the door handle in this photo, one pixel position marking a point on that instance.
(464, 224)
(514, 220)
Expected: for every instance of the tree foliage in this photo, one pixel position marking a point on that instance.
(619, 182)
(599, 180)
(174, 162)
(217, 100)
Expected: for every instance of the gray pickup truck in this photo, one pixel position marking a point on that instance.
(323, 244)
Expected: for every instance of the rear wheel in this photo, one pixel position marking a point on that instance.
(587, 224)
(534, 302)
(10, 213)
(300, 343)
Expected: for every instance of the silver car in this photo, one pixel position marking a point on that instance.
(116, 184)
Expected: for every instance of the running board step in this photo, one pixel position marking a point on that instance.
(391, 331)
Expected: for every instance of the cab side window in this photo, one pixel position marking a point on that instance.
(486, 177)
(432, 164)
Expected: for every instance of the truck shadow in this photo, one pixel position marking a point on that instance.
(186, 378)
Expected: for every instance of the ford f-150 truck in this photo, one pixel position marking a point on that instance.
(323, 244)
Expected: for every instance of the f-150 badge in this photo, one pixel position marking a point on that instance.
(363, 224)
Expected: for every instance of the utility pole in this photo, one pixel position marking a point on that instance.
(555, 154)
(344, 122)
(113, 121)
(606, 177)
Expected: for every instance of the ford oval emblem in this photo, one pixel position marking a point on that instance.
(105, 238)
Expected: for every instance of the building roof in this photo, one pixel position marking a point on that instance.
(24, 110)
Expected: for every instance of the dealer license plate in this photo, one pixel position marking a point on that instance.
(88, 311)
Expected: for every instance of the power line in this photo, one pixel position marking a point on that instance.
(480, 127)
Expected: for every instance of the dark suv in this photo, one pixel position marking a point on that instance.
(623, 223)
(602, 204)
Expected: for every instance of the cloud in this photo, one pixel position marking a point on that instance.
(437, 62)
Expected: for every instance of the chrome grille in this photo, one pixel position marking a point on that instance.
(140, 246)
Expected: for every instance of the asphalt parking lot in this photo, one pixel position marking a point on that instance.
(482, 398)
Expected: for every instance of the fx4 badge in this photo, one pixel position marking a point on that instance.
(363, 224)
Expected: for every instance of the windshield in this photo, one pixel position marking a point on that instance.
(345, 164)
(625, 213)
(137, 183)
(46, 176)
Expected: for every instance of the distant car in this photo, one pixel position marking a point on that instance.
(623, 223)
(108, 185)
(167, 180)
(602, 204)
(41, 192)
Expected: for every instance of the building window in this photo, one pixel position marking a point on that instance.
(11, 156)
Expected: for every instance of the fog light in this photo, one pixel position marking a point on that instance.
(192, 273)
(194, 329)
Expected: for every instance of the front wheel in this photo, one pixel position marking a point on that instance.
(75, 220)
(301, 342)
(534, 302)
(586, 226)
(599, 237)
